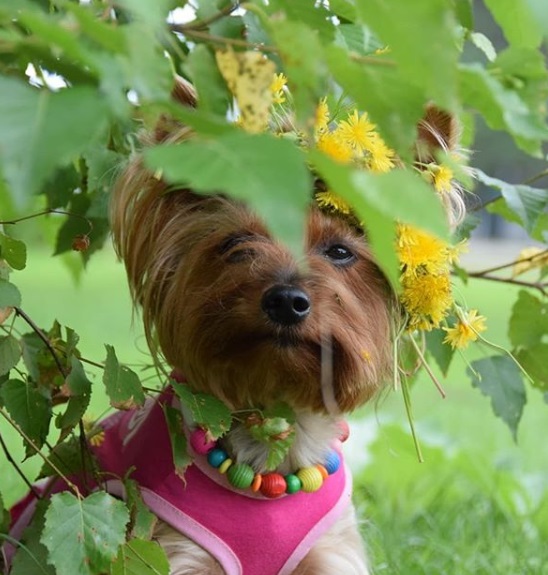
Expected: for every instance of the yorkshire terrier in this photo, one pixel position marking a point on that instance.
(236, 316)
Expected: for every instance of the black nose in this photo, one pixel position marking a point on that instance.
(286, 304)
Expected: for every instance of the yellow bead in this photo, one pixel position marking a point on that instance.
(223, 468)
(311, 478)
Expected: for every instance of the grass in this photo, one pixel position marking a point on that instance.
(477, 505)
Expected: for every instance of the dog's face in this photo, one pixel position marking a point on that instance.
(233, 310)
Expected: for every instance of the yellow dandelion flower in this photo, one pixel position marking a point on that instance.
(383, 50)
(467, 328)
(277, 88)
(97, 438)
(366, 356)
(381, 159)
(419, 251)
(321, 120)
(427, 299)
(329, 143)
(332, 202)
(356, 131)
(442, 177)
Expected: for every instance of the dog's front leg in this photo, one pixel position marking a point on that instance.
(340, 550)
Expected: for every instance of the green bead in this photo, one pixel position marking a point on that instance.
(240, 475)
(293, 483)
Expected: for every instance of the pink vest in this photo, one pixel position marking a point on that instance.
(247, 533)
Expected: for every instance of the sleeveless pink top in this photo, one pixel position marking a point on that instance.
(247, 533)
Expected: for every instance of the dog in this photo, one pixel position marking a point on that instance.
(236, 316)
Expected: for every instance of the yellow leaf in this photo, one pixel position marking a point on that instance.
(248, 76)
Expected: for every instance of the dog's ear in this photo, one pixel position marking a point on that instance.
(437, 131)
(183, 93)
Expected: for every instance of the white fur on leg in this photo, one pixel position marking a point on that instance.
(340, 550)
(185, 556)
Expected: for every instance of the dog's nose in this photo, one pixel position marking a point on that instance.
(286, 304)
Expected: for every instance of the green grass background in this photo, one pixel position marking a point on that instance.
(477, 505)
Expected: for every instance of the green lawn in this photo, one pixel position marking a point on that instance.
(477, 505)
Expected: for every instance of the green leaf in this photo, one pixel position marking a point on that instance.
(142, 520)
(207, 411)
(138, 557)
(527, 202)
(483, 43)
(499, 378)
(502, 109)
(32, 556)
(68, 458)
(122, 384)
(315, 16)
(249, 168)
(10, 353)
(345, 9)
(422, 40)
(441, 352)
(45, 130)
(300, 50)
(83, 535)
(379, 200)
(391, 102)
(355, 38)
(533, 361)
(212, 91)
(9, 294)
(4, 517)
(179, 448)
(517, 21)
(29, 409)
(528, 324)
(13, 251)
(465, 13)
(79, 387)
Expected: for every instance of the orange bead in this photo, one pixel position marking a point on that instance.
(256, 485)
(322, 470)
(273, 485)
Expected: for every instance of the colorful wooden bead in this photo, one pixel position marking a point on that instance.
(273, 485)
(216, 457)
(311, 479)
(200, 443)
(332, 462)
(223, 468)
(256, 485)
(240, 475)
(322, 470)
(293, 483)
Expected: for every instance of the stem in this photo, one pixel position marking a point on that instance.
(427, 367)
(17, 468)
(16, 426)
(201, 24)
(535, 285)
(504, 266)
(47, 212)
(408, 410)
(221, 40)
(538, 176)
(43, 337)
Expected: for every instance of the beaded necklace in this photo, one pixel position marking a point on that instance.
(242, 476)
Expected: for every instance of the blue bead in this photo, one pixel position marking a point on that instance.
(332, 462)
(216, 457)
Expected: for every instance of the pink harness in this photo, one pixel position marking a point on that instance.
(247, 533)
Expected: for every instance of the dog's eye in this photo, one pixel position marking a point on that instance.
(339, 254)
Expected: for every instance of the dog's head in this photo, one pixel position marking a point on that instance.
(231, 308)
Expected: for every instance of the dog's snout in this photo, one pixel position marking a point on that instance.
(286, 304)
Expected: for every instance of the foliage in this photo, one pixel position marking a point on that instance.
(79, 80)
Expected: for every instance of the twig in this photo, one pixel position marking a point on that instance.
(201, 24)
(221, 40)
(427, 367)
(542, 287)
(17, 468)
(538, 176)
(43, 337)
(47, 212)
(16, 426)
(538, 255)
